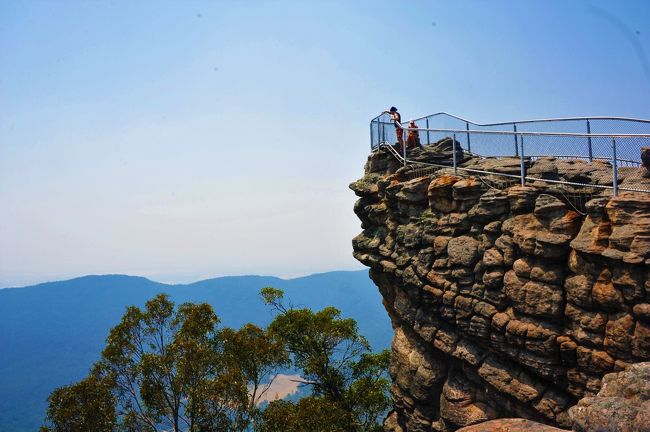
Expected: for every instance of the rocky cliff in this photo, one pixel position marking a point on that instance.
(506, 300)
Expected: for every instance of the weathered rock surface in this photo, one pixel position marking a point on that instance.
(505, 303)
(622, 404)
(510, 425)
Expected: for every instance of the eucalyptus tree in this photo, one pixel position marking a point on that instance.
(348, 383)
(174, 369)
(87, 406)
(168, 368)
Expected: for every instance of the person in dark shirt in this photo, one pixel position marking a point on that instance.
(397, 118)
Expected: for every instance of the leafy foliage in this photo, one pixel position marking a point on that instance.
(87, 406)
(173, 368)
(255, 355)
(310, 414)
(347, 381)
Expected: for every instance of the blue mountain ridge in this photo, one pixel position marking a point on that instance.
(51, 333)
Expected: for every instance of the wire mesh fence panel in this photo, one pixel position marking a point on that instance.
(593, 152)
(382, 130)
(492, 145)
(576, 126)
(631, 172)
(619, 126)
(560, 158)
(444, 121)
(487, 144)
(437, 137)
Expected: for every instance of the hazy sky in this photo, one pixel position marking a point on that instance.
(183, 140)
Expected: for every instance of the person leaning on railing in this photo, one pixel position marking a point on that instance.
(397, 118)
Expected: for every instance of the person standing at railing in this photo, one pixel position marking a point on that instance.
(397, 118)
(413, 136)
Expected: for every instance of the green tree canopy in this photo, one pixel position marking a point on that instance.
(171, 369)
(86, 406)
(347, 381)
(167, 368)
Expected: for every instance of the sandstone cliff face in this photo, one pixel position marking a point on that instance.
(504, 302)
(622, 404)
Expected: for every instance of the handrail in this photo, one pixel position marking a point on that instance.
(395, 153)
(524, 178)
(533, 143)
(565, 134)
(542, 120)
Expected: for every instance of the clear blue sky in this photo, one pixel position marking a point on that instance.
(182, 140)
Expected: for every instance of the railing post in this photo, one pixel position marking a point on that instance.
(453, 154)
(403, 145)
(522, 163)
(514, 127)
(589, 140)
(614, 167)
(372, 137)
(469, 146)
(427, 124)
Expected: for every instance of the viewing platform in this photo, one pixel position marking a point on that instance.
(580, 155)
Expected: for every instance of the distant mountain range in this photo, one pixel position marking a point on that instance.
(51, 333)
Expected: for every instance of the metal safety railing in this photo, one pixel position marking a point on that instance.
(603, 155)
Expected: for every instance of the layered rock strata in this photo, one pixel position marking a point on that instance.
(504, 302)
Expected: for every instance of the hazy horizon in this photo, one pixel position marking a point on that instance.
(180, 140)
(189, 280)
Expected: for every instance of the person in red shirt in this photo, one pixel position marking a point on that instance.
(413, 136)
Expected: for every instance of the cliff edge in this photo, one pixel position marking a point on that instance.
(505, 300)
